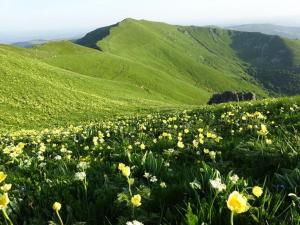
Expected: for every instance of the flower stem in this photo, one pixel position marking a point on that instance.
(59, 218)
(231, 219)
(7, 217)
(129, 186)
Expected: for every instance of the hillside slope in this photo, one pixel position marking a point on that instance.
(210, 57)
(270, 60)
(35, 94)
(139, 65)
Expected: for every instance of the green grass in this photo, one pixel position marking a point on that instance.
(138, 66)
(35, 94)
(174, 181)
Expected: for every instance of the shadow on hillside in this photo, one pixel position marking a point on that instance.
(262, 50)
(91, 39)
(269, 59)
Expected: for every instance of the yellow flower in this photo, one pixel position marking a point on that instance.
(269, 141)
(2, 176)
(121, 166)
(263, 130)
(136, 200)
(126, 171)
(142, 146)
(206, 151)
(4, 200)
(212, 155)
(208, 134)
(180, 144)
(56, 206)
(257, 191)
(237, 203)
(6, 187)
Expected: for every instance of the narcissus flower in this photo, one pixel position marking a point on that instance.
(257, 191)
(56, 206)
(80, 176)
(136, 200)
(4, 200)
(237, 203)
(217, 184)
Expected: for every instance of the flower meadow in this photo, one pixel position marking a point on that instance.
(226, 164)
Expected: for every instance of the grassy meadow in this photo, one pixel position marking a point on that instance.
(226, 164)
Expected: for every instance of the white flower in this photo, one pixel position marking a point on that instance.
(63, 149)
(292, 195)
(217, 184)
(153, 179)
(135, 222)
(95, 141)
(43, 164)
(58, 157)
(80, 176)
(163, 185)
(147, 175)
(234, 178)
(41, 157)
(83, 165)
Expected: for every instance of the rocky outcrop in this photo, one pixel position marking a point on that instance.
(229, 96)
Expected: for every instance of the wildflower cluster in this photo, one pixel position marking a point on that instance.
(205, 165)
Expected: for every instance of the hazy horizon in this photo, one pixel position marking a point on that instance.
(33, 19)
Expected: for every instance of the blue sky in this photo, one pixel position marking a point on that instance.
(43, 18)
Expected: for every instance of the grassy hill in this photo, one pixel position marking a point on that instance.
(208, 55)
(35, 94)
(136, 66)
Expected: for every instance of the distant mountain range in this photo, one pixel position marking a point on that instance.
(271, 29)
(29, 44)
(138, 65)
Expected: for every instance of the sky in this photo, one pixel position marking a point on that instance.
(54, 19)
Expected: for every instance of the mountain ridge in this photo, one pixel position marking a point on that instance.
(291, 32)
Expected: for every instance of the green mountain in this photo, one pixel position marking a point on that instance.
(270, 29)
(137, 66)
